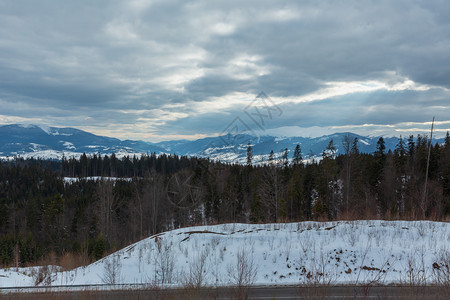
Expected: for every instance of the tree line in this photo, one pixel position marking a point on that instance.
(41, 212)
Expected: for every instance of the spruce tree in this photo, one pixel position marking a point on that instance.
(381, 147)
(400, 155)
(400, 147)
(355, 148)
(297, 158)
(249, 154)
(447, 140)
(411, 145)
(271, 157)
(330, 151)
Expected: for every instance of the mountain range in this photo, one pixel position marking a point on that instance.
(52, 143)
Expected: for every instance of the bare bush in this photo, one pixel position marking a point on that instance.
(416, 274)
(42, 275)
(320, 271)
(197, 271)
(111, 271)
(243, 273)
(163, 262)
(441, 269)
(372, 275)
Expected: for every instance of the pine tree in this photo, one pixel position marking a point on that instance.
(330, 151)
(400, 155)
(271, 157)
(249, 154)
(347, 144)
(297, 159)
(355, 148)
(99, 246)
(328, 178)
(411, 145)
(381, 147)
(401, 147)
(447, 140)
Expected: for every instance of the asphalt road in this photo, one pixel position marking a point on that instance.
(323, 292)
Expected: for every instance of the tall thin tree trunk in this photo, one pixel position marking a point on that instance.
(424, 198)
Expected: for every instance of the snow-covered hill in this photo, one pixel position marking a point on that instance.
(377, 252)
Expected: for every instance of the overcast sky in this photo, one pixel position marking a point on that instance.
(160, 70)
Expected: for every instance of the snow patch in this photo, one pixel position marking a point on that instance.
(95, 178)
(364, 142)
(68, 145)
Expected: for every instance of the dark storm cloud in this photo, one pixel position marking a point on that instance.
(153, 63)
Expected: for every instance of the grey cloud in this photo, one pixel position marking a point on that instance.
(380, 108)
(97, 58)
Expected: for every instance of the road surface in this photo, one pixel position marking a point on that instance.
(277, 292)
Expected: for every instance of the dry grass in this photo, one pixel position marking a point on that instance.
(303, 292)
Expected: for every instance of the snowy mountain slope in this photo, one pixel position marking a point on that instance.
(377, 252)
(236, 146)
(233, 148)
(51, 142)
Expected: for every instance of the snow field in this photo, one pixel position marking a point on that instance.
(356, 252)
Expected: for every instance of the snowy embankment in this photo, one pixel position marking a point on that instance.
(357, 252)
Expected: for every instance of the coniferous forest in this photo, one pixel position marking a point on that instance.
(109, 202)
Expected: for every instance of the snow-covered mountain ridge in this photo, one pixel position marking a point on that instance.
(53, 143)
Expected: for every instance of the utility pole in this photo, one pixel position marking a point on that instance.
(424, 199)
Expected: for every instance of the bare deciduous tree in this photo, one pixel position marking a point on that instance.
(243, 273)
(185, 196)
(270, 191)
(106, 198)
(149, 204)
(163, 262)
